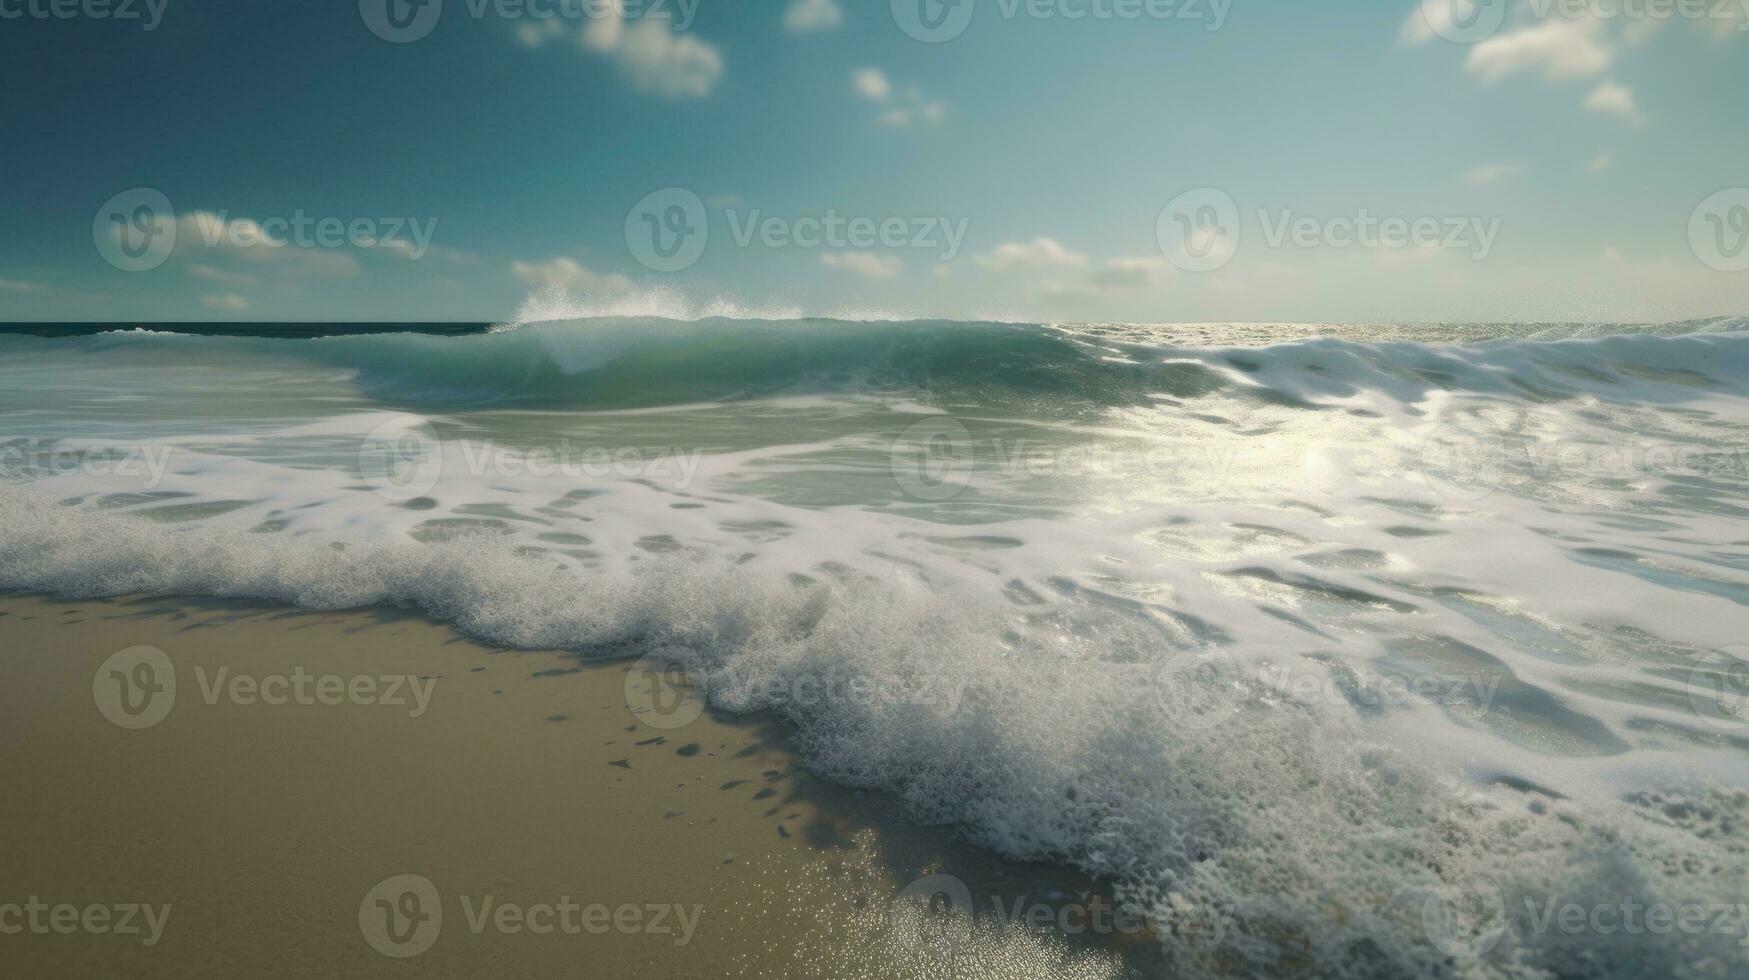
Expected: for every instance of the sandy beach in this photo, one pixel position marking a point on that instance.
(360, 793)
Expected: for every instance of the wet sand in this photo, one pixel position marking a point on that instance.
(557, 819)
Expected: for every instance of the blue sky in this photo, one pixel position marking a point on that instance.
(1562, 161)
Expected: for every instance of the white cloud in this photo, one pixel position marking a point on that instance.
(902, 108)
(534, 33)
(807, 16)
(1600, 162)
(653, 57)
(1132, 272)
(871, 84)
(865, 264)
(228, 302)
(1615, 100)
(1113, 277)
(247, 239)
(1490, 173)
(1559, 47)
(661, 62)
(1040, 251)
(213, 274)
(567, 273)
(20, 286)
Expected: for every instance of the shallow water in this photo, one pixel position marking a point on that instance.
(1369, 644)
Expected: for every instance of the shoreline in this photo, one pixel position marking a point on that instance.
(316, 771)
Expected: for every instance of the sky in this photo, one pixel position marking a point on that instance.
(1079, 160)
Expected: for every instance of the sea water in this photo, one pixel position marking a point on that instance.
(1384, 647)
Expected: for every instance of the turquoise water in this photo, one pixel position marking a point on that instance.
(1371, 643)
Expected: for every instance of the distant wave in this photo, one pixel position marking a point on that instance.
(610, 362)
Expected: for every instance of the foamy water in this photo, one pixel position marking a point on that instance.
(1370, 643)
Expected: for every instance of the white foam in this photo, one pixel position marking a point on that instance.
(1048, 610)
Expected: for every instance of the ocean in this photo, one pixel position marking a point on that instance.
(1364, 650)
